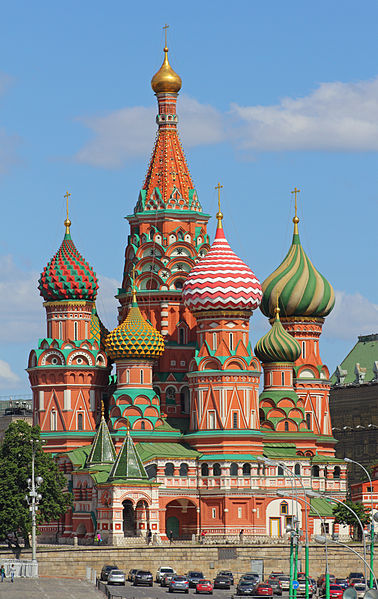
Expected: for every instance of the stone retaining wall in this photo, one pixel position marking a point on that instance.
(73, 561)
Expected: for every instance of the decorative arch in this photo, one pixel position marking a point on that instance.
(52, 358)
(210, 364)
(287, 425)
(234, 364)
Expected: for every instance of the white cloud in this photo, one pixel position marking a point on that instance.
(8, 378)
(128, 133)
(335, 117)
(352, 315)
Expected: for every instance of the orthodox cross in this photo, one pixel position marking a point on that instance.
(295, 198)
(165, 32)
(219, 187)
(67, 195)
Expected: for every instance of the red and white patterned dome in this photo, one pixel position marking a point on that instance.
(221, 280)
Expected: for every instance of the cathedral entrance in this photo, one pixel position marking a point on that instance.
(181, 518)
(128, 518)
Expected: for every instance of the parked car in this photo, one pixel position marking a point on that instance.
(354, 581)
(222, 582)
(131, 574)
(263, 590)
(276, 586)
(204, 586)
(284, 582)
(143, 577)
(227, 573)
(360, 589)
(194, 577)
(166, 579)
(342, 582)
(355, 575)
(105, 571)
(273, 575)
(251, 577)
(301, 590)
(163, 570)
(179, 583)
(245, 587)
(117, 577)
(321, 580)
(336, 591)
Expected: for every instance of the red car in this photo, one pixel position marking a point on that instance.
(204, 586)
(336, 591)
(263, 590)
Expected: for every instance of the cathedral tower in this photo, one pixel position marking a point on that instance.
(167, 237)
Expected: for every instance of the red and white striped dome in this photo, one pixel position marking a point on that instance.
(221, 280)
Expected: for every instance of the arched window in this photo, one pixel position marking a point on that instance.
(283, 379)
(315, 471)
(233, 469)
(127, 376)
(308, 420)
(170, 395)
(286, 426)
(53, 421)
(246, 469)
(303, 349)
(214, 341)
(169, 469)
(151, 470)
(142, 426)
(297, 469)
(157, 391)
(280, 471)
(76, 330)
(261, 415)
(235, 420)
(204, 469)
(336, 472)
(141, 376)
(231, 337)
(183, 469)
(184, 400)
(326, 472)
(182, 339)
(80, 421)
(216, 470)
(284, 508)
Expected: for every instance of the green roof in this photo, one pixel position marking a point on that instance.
(239, 457)
(150, 451)
(128, 464)
(364, 353)
(323, 506)
(280, 450)
(102, 450)
(325, 459)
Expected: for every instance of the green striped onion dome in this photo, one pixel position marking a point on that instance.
(277, 345)
(301, 289)
(134, 338)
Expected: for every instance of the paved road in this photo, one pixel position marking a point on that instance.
(48, 588)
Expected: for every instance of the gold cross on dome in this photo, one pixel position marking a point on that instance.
(67, 195)
(219, 215)
(219, 187)
(295, 191)
(165, 32)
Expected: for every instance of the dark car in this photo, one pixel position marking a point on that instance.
(222, 582)
(250, 578)
(355, 575)
(131, 574)
(245, 587)
(143, 577)
(179, 583)
(105, 571)
(194, 578)
(342, 582)
(276, 585)
(227, 573)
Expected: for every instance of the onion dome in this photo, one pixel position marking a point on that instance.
(301, 289)
(134, 338)
(68, 276)
(221, 280)
(166, 80)
(277, 345)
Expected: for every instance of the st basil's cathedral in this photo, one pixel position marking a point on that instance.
(159, 424)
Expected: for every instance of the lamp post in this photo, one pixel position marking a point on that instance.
(349, 461)
(283, 494)
(33, 498)
(314, 494)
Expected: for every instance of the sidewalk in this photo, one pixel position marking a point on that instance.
(48, 588)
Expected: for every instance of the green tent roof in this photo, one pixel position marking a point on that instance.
(128, 464)
(364, 353)
(323, 506)
(102, 450)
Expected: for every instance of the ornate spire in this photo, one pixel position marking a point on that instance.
(102, 451)
(219, 215)
(67, 222)
(302, 290)
(166, 80)
(128, 464)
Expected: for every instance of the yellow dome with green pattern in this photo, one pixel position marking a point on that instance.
(134, 338)
(277, 345)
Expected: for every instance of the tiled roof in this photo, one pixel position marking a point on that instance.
(128, 464)
(364, 353)
(102, 449)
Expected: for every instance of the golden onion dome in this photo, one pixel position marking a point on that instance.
(134, 338)
(166, 80)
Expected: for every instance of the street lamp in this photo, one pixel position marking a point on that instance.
(319, 495)
(349, 461)
(33, 498)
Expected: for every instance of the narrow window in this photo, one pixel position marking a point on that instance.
(246, 469)
(76, 330)
(86, 330)
(127, 376)
(211, 419)
(286, 426)
(231, 341)
(235, 420)
(284, 508)
(53, 421)
(280, 471)
(142, 426)
(283, 379)
(214, 341)
(60, 327)
(216, 470)
(308, 420)
(240, 512)
(213, 512)
(315, 471)
(181, 336)
(297, 469)
(336, 474)
(141, 376)
(204, 469)
(303, 349)
(80, 421)
(233, 469)
(169, 469)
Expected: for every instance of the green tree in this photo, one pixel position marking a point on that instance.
(344, 516)
(15, 469)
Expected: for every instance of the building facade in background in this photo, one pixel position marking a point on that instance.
(175, 439)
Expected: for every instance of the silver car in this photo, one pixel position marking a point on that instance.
(116, 577)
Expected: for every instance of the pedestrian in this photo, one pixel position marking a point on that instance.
(170, 536)
(99, 538)
(2, 572)
(149, 536)
(241, 533)
(203, 534)
(12, 572)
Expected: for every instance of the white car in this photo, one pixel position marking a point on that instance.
(162, 571)
(116, 577)
(360, 589)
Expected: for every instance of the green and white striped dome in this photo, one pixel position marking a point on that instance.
(277, 345)
(301, 289)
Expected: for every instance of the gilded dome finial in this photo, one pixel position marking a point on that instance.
(295, 219)
(133, 287)
(166, 80)
(219, 213)
(67, 222)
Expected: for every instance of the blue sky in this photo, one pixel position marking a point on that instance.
(274, 95)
